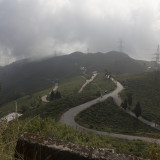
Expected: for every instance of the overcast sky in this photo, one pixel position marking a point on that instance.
(35, 28)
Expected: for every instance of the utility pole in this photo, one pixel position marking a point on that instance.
(157, 58)
(121, 46)
(88, 50)
(15, 109)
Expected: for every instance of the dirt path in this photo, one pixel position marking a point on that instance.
(68, 117)
(44, 98)
(87, 82)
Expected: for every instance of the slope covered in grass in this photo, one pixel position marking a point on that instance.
(10, 132)
(32, 102)
(26, 77)
(71, 97)
(145, 88)
(99, 85)
(106, 116)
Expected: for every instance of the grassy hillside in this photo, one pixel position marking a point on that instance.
(33, 101)
(31, 105)
(145, 88)
(71, 97)
(106, 116)
(99, 85)
(47, 127)
(25, 77)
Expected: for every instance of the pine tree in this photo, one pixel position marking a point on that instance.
(129, 98)
(52, 95)
(124, 104)
(137, 110)
(58, 95)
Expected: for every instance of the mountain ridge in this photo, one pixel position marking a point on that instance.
(25, 76)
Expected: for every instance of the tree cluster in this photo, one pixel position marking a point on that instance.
(137, 110)
(128, 102)
(54, 95)
(124, 104)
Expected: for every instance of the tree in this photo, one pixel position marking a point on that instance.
(58, 95)
(124, 104)
(105, 72)
(129, 98)
(52, 95)
(137, 110)
(98, 94)
(24, 109)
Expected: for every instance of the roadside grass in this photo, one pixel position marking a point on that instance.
(106, 116)
(145, 88)
(10, 132)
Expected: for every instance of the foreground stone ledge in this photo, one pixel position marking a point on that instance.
(33, 147)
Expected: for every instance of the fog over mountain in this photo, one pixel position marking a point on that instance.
(39, 28)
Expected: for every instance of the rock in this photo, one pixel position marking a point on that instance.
(34, 147)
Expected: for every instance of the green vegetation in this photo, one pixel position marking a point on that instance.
(9, 133)
(24, 104)
(106, 116)
(52, 96)
(99, 85)
(46, 126)
(145, 88)
(27, 77)
(70, 98)
(32, 105)
(71, 86)
(137, 110)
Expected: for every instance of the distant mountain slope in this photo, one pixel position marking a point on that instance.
(24, 77)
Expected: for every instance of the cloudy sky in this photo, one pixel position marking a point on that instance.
(39, 28)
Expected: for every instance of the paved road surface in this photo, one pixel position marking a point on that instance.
(68, 117)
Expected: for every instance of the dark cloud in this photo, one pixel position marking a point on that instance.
(42, 27)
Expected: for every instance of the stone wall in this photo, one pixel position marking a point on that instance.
(33, 147)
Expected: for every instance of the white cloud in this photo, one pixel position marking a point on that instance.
(39, 28)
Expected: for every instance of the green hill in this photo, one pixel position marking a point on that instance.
(24, 77)
(145, 88)
(106, 116)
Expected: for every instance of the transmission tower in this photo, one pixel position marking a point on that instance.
(120, 46)
(88, 50)
(157, 58)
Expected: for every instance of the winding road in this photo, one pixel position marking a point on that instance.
(68, 117)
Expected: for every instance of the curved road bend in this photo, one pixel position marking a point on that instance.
(68, 117)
